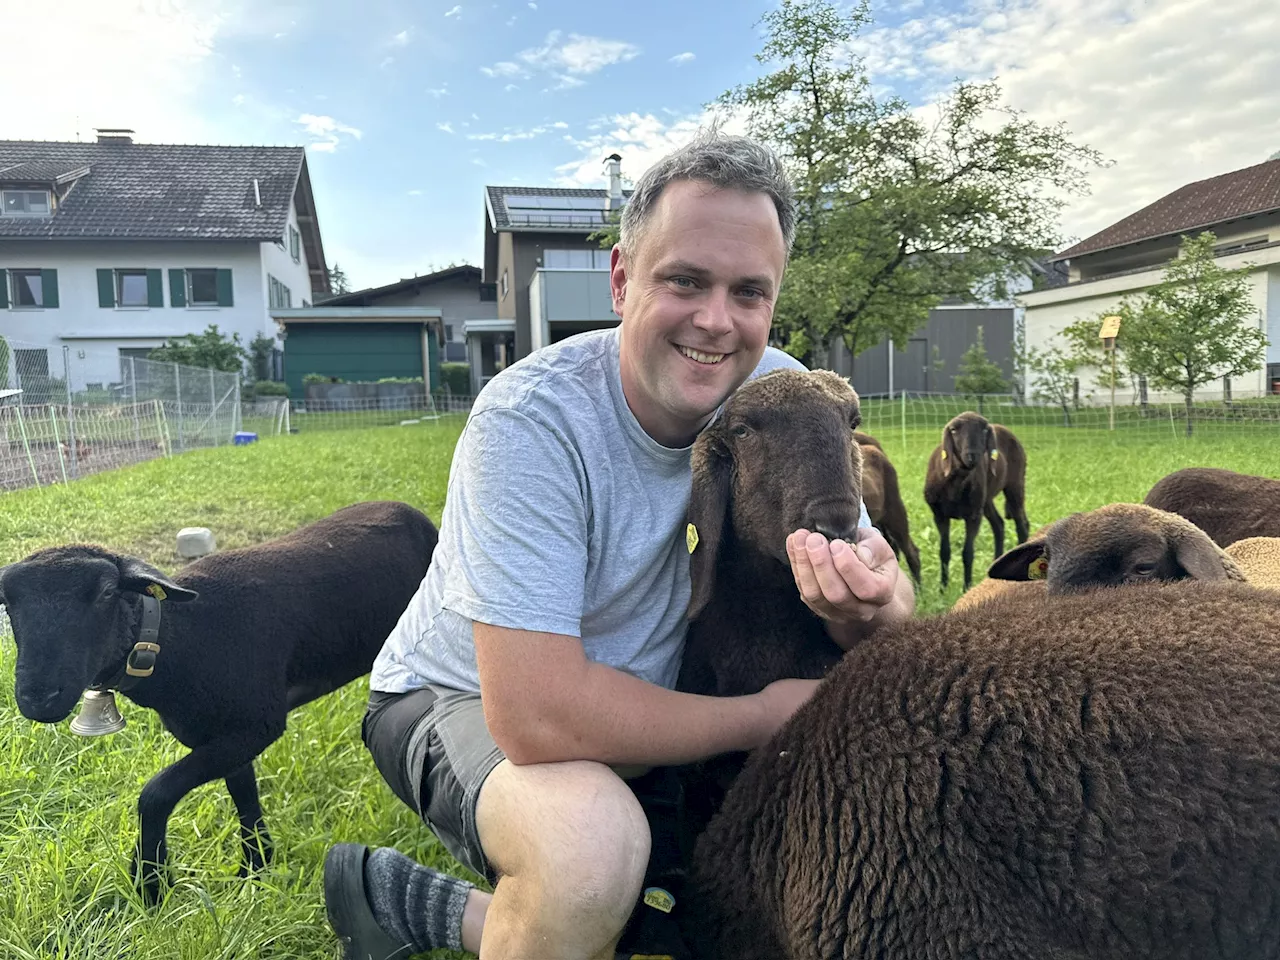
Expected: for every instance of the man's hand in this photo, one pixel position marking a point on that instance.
(840, 582)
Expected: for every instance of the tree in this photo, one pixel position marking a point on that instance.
(895, 213)
(979, 375)
(1082, 342)
(210, 349)
(261, 348)
(1196, 325)
(1051, 374)
(338, 280)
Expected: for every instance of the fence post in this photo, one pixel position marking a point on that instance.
(237, 424)
(133, 391)
(177, 393)
(1142, 392)
(1075, 393)
(1226, 391)
(213, 404)
(71, 413)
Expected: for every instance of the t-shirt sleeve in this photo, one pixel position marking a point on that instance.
(517, 508)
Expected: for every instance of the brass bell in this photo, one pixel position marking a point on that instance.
(98, 715)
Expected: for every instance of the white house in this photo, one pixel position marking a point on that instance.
(1241, 208)
(113, 247)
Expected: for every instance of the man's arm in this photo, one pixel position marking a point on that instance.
(545, 702)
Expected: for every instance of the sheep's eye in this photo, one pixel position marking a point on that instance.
(1144, 569)
(741, 430)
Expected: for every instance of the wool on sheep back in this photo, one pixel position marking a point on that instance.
(1072, 778)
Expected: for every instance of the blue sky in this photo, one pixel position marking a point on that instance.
(409, 109)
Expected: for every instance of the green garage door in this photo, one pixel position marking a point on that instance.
(354, 352)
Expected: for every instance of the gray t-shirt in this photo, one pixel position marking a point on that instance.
(562, 516)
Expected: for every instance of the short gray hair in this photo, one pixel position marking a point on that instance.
(722, 160)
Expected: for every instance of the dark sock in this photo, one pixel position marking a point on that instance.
(421, 906)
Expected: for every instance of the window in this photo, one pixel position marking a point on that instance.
(202, 287)
(278, 295)
(295, 245)
(29, 288)
(504, 284)
(131, 288)
(448, 331)
(576, 259)
(25, 203)
(32, 365)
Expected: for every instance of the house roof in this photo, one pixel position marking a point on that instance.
(560, 216)
(1242, 193)
(367, 296)
(154, 191)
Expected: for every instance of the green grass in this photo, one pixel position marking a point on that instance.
(67, 815)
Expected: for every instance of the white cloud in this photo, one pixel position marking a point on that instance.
(641, 139)
(682, 57)
(326, 132)
(238, 99)
(511, 86)
(567, 61)
(401, 39)
(453, 11)
(510, 136)
(1172, 91)
(386, 62)
(149, 64)
(503, 68)
(415, 193)
(560, 125)
(439, 92)
(478, 162)
(532, 5)
(446, 127)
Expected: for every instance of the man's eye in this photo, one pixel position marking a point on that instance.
(682, 282)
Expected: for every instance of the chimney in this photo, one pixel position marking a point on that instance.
(110, 135)
(613, 169)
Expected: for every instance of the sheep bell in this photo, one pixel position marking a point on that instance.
(98, 715)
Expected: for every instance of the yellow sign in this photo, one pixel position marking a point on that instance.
(691, 537)
(1110, 328)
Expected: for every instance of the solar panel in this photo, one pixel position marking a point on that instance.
(519, 202)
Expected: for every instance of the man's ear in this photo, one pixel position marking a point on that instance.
(708, 514)
(617, 279)
(1027, 561)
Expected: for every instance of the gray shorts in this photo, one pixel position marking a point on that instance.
(433, 748)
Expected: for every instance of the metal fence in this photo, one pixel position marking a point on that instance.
(66, 412)
(271, 416)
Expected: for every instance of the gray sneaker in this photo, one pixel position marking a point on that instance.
(347, 907)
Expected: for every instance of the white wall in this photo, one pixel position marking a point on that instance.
(80, 323)
(277, 261)
(1273, 316)
(1049, 311)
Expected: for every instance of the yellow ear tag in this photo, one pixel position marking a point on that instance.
(995, 454)
(659, 899)
(1038, 569)
(944, 454)
(156, 591)
(691, 537)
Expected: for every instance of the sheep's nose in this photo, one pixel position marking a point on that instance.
(835, 521)
(38, 704)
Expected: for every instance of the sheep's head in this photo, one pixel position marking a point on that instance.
(65, 607)
(780, 457)
(1116, 544)
(967, 441)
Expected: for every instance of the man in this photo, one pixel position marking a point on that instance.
(534, 667)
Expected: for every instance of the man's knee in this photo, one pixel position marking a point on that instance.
(575, 830)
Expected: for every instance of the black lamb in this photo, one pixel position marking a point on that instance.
(243, 637)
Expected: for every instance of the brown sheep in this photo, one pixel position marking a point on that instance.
(1067, 780)
(883, 499)
(1228, 506)
(975, 461)
(1258, 559)
(1115, 544)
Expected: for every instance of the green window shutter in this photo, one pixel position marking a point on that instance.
(155, 288)
(224, 289)
(177, 288)
(4, 289)
(106, 288)
(49, 280)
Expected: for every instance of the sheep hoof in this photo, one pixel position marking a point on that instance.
(147, 878)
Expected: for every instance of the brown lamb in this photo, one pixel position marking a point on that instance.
(881, 494)
(1226, 505)
(1068, 780)
(975, 461)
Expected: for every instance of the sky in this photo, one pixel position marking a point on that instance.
(408, 109)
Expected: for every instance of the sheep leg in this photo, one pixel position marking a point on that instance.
(997, 525)
(255, 841)
(1015, 508)
(944, 546)
(214, 760)
(971, 527)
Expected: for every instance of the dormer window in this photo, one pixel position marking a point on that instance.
(24, 203)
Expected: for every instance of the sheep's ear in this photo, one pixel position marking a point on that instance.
(708, 512)
(1027, 561)
(140, 577)
(948, 452)
(1200, 558)
(993, 450)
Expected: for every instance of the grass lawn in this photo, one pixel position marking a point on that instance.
(67, 804)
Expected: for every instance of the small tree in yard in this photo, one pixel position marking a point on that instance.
(979, 374)
(1195, 326)
(209, 349)
(260, 349)
(1052, 376)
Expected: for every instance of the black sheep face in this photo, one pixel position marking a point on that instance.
(69, 622)
(781, 457)
(968, 440)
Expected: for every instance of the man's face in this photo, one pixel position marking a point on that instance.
(696, 304)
